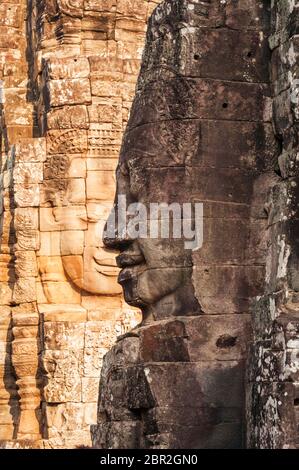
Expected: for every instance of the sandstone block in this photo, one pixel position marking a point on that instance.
(206, 337)
(248, 15)
(109, 111)
(100, 185)
(64, 335)
(49, 244)
(65, 417)
(222, 295)
(69, 91)
(70, 68)
(27, 196)
(18, 111)
(204, 99)
(73, 265)
(77, 168)
(26, 346)
(25, 264)
(99, 334)
(62, 363)
(6, 268)
(90, 413)
(51, 269)
(63, 313)
(104, 164)
(26, 173)
(31, 150)
(93, 360)
(67, 141)
(24, 290)
(10, 17)
(76, 192)
(63, 390)
(90, 391)
(90, 301)
(60, 293)
(116, 434)
(72, 242)
(5, 315)
(106, 87)
(63, 218)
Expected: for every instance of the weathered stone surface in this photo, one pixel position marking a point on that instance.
(70, 91)
(199, 130)
(74, 117)
(272, 414)
(186, 340)
(68, 68)
(133, 385)
(33, 152)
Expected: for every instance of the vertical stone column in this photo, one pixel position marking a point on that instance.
(273, 392)
(28, 155)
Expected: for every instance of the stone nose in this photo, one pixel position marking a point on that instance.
(115, 234)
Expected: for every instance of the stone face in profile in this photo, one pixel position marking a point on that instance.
(154, 167)
(173, 150)
(199, 131)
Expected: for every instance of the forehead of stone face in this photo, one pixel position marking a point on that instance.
(164, 143)
(167, 146)
(237, 14)
(158, 157)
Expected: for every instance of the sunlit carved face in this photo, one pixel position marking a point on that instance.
(86, 262)
(155, 166)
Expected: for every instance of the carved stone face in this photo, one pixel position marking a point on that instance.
(155, 167)
(87, 263)
(79, 201)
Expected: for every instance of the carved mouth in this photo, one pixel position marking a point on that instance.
(128, 280)
(125, 259)
(106, 266)
(130, 266)
(132, 263)
(125, 275)
(130, 272)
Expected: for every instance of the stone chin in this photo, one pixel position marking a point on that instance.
(102, 281)
(150, 288)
